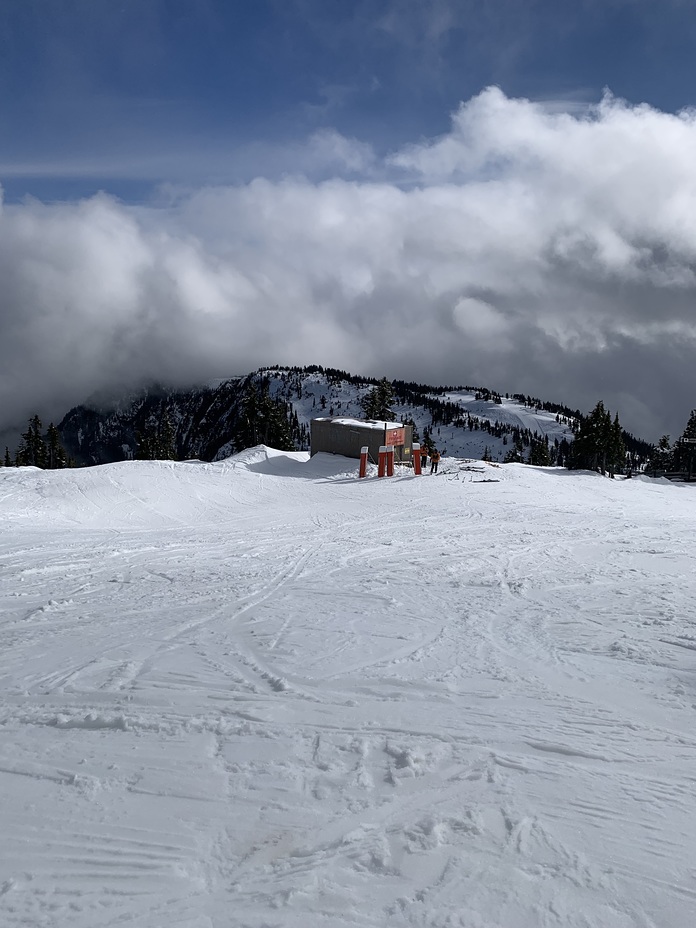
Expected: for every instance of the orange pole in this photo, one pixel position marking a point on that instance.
(363, 461)
(382, 461)
(416, 459)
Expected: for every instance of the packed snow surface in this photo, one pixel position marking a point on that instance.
(264, 693)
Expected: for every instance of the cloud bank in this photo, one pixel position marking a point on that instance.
(528, 249)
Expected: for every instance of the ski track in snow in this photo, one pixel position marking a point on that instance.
(263, 693)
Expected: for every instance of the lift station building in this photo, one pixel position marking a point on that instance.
(338, 435)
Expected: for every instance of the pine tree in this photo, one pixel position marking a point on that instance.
(248, 433)
(662, 458)
(598, 443)
(684, 449)
(427, 441)
(516, 454)
(690, 430)
(377, 402)
(278, 426)
(147, 442)
(55, 453)
(616, 449)
(414, 429)
(264, 421)
(539, 454)
(167, 443)
(156, 441)
(32, 450)
(563, 453)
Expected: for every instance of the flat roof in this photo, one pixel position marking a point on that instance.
(360, 423)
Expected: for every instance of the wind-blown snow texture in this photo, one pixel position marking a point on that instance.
(264, 693)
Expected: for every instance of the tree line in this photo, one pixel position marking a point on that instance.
(171, 427)
(678, 456)
(599, 443)
(39, 449)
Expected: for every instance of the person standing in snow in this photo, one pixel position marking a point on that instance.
(423, 457)
(434, 460)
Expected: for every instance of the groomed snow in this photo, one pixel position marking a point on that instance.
(262, 693)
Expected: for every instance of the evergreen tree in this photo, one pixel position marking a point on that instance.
(264, 421)
(377, 402)
(616, 449)
(690, 430)
(32, 450)
(603, 438)
(415, 436)
(563, 450)
(248, 434)
(427, 441)
(147, 442)
(55, 453)
(516, 454)
(8, 459)
(684, 450)
(166, 436)
(599, 443)
(539, 453)
(662, 458)
(156, 441)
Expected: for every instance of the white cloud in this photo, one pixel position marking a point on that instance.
(531, 249)
(482, 323)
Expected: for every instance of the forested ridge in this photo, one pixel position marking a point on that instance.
(275, 405)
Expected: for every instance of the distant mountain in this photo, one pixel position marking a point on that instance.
(212, 421)
(205, 421)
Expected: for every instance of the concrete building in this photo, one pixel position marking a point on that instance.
(338, 435)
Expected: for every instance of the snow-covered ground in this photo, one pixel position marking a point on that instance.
(262, 693)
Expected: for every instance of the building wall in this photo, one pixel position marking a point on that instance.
(407, 450)
(330, 437)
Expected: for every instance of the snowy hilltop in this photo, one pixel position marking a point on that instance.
(276, 405)
(261, 692)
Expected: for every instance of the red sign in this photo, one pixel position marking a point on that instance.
(394, 437)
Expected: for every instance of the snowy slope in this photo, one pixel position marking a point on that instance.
(342, 398)
(207, 418)
(264, 693)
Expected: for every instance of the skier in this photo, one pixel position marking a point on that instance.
(423, 457)
(434, 460)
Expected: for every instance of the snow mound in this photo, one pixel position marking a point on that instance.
(262, 453)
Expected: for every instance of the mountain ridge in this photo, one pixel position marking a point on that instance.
(210, 422)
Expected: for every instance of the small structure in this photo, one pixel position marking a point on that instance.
(338, 435)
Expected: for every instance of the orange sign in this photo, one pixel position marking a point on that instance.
(394, 437)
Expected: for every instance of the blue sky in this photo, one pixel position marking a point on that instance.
(127, 94)
(450, 191)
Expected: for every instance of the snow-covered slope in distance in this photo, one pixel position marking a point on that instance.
(207, 418)
(262, 692)
(342, 397)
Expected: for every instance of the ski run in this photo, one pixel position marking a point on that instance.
(262, 693)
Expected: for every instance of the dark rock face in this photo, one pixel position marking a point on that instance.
(204, 422)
